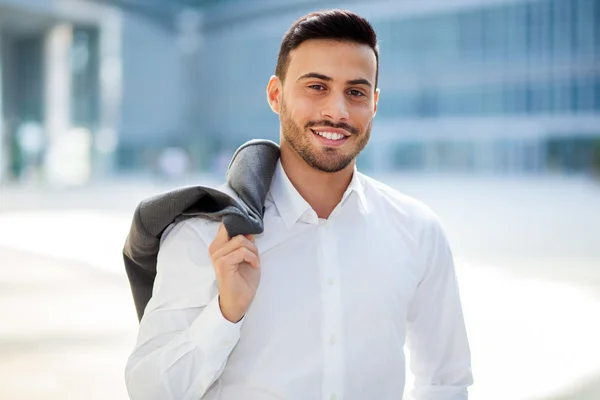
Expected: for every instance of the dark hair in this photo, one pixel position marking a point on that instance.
(341, 25)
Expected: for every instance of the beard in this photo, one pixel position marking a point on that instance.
(326, 159)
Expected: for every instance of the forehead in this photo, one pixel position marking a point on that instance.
(336, 59)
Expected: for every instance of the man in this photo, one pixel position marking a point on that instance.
(345, 274)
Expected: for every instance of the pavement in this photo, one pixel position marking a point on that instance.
(528, 262)
(66, 329)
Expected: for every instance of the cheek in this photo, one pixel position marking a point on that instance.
(307, 108)
(361, 117)
(303, 112)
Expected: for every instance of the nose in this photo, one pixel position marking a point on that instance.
(335, 108)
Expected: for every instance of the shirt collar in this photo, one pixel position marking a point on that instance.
(356, 186)
(291, 205)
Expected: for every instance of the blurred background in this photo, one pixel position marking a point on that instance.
(489, 112)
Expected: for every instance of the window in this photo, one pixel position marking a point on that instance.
(448, 38)
(561, 97)
(584, 34)
(397, 104)
(509, 103)
(493, 34)
(531, 105)
(596, 26)
(562, 20)
(426, 103)
(471, 35)
(445, 101)
(516, 32)
(596, 94)
(409, 156)
(585, 100)
(492, 100)
(543, 95)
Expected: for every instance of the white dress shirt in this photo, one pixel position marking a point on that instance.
(337, 302)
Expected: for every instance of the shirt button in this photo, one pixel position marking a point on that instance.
(330, 281)
(332, 340)
(333, 397)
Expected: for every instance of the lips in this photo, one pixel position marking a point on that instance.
(330, 139)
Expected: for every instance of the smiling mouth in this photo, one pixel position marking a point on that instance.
(330, 135)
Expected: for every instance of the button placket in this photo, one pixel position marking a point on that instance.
(332, 313)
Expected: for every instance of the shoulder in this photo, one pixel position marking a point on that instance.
(407, 219)
(394, 203)
(195, 229)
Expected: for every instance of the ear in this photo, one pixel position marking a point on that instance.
(376, 98)
(274, 93)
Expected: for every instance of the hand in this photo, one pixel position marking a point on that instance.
(237, 267)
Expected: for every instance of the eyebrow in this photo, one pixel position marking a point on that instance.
(360, 81)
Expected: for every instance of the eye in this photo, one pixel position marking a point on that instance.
(317, 87)
(356, 93)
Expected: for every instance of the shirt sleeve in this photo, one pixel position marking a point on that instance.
(440, 358)
(183, 341)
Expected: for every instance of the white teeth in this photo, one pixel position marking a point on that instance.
(330, 135)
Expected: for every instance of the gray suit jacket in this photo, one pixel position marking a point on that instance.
(249, 175)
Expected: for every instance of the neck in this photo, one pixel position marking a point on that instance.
(321, 190)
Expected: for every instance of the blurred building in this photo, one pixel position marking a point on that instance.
(489, 85)
(59, 72)
(498, 86)
(87, 89)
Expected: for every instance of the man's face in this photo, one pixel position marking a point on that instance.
(327, 102)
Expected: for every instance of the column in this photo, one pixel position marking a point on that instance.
(63, 158)
(189, 24)
(3, 149)
(110, 86)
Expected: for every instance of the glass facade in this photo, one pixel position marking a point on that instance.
(509, 67)
(531, 57)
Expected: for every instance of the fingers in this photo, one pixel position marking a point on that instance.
(232, 245)
(228, 252)
(242, 255)
(232, 259)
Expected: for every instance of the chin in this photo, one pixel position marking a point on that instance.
(332, 166)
